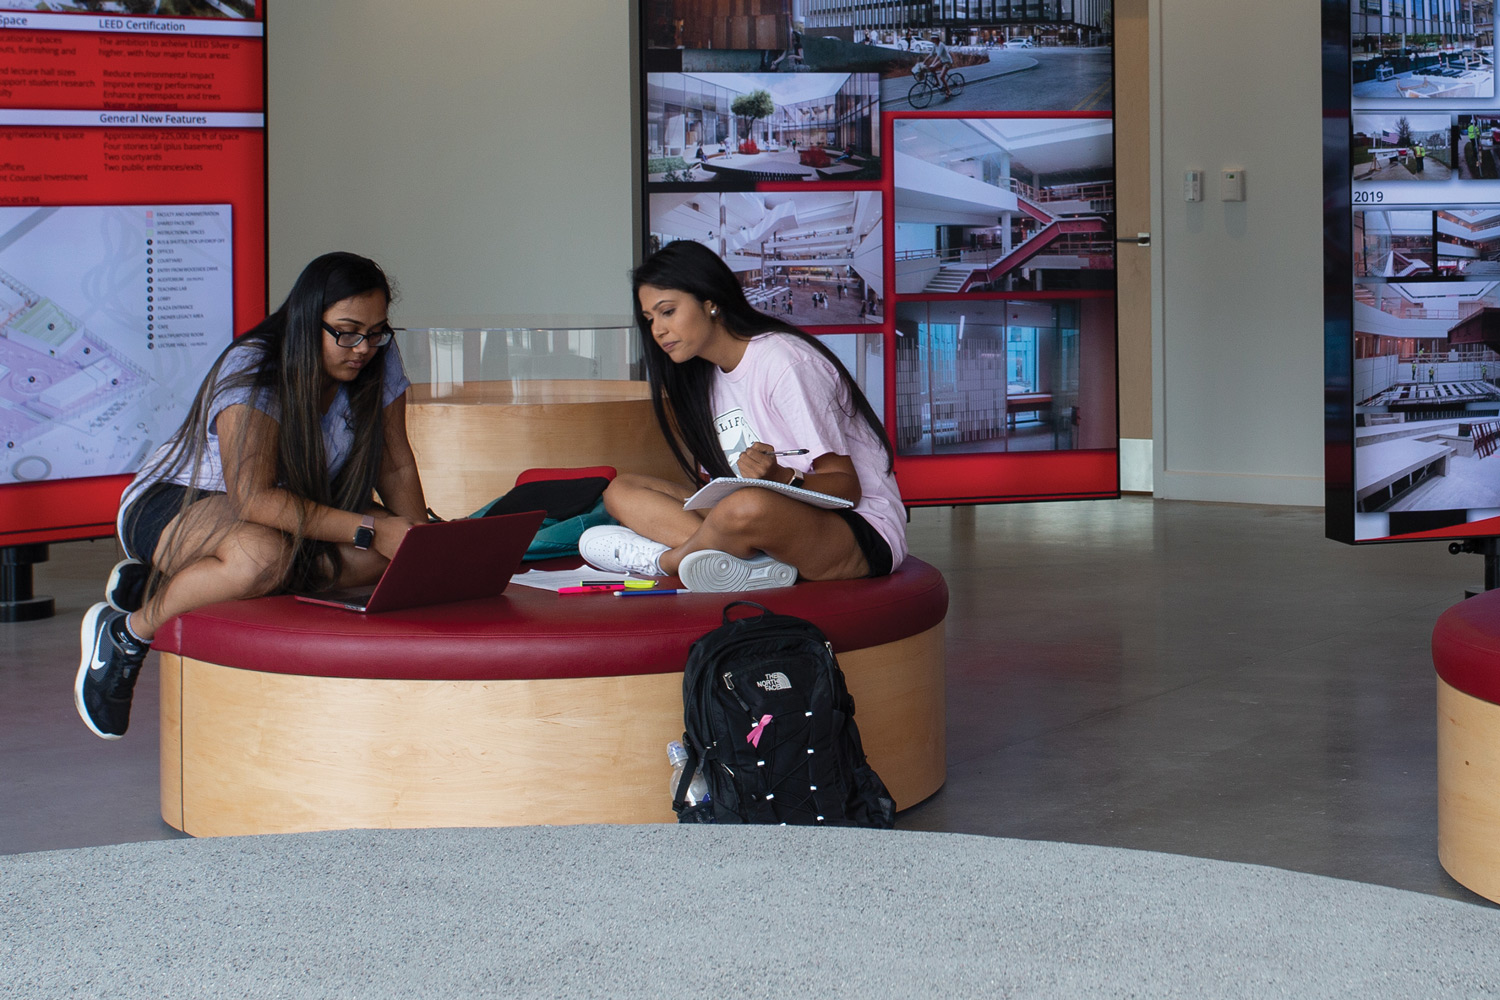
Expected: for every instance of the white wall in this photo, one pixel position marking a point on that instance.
(1239, 358)
(481, 150)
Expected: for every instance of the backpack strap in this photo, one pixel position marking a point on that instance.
(749, 604)
(689, 771)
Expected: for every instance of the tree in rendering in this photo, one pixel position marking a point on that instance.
(753, 106)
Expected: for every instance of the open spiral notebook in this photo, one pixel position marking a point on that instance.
(718, 489)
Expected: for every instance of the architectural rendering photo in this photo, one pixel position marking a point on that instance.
(1400, 147)
(998, 204)
(1442, 49)
(710, 24)
(814, 258)
(1010, 55)
(1427, 378)
(737, 129)
(1003, 376)
(1005, 57)
(1468, 242)
(1394, 244)
(864, 355)
(895, 24)
(1017, 23)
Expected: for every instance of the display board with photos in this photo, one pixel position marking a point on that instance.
(1412, 178)
(132, 238)
(929, 188)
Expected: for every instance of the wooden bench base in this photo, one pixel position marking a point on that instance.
(246, 752)
(1468, 763)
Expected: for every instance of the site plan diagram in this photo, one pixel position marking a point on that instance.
(109, 318)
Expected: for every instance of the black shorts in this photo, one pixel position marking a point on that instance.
(149, 514)
(874, 548)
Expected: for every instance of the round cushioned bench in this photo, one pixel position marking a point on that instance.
(533, 708)
(1466, 653)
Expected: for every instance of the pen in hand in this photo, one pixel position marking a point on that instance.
(794, 451)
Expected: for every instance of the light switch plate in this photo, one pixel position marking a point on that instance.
(1192, 185)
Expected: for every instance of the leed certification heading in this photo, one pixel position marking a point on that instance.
(133, 25)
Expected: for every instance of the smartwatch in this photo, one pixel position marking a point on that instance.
(364, 535)
(796, 479)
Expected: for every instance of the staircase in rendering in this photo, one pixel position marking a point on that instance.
(962, 275)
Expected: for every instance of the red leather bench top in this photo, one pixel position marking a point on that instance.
(1466, 646)
(533, 634)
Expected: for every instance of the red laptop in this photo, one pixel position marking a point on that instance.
(444, 562)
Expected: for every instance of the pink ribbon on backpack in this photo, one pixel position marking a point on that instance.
(753, 737)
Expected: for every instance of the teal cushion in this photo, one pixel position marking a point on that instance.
(560, 538)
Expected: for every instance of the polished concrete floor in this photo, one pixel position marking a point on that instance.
(1204, 679)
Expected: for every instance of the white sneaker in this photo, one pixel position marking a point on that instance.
(614, 548)
(712, 571)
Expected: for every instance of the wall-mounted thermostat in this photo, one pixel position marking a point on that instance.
(1232, 185)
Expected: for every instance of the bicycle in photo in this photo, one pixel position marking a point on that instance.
(928, 84)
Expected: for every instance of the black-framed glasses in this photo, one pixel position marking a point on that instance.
(348, 338)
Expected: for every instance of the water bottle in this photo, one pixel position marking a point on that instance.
(697, 790)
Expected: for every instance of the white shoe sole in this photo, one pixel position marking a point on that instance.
(87, 639)
(712, 572)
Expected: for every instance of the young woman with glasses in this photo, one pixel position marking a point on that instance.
(268, 485)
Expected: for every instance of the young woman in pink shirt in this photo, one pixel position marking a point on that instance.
(737, 387)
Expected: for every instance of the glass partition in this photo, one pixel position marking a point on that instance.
(494, 397)
(522, 358)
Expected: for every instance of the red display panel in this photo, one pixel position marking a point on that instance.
(132, 242)
(956, 241)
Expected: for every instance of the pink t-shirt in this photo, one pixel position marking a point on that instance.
(786, 394)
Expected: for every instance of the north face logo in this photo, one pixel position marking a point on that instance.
(775, 682)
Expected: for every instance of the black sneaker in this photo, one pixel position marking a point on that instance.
(107, 672)
(126, 589)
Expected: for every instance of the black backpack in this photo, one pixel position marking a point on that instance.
(769, 719)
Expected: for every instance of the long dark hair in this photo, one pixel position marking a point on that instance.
(681, 393)
(288, 373)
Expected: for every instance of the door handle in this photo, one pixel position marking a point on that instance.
(1139, 239)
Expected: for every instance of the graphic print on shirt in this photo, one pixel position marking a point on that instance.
(735, 434)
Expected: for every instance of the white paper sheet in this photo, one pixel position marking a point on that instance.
(555, 579)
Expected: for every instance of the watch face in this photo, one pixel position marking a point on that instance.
(364, 537)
